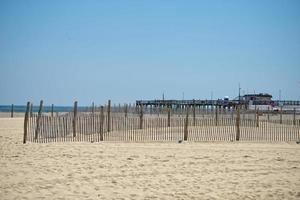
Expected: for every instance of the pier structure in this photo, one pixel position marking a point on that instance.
(212, 104)
(182, 104)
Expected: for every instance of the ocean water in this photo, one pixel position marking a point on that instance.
(22, 108)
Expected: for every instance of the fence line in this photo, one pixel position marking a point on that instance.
(129, 123)
(96, 127)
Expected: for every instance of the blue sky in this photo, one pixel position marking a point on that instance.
(60, 51)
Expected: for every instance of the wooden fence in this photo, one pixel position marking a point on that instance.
(96, 127)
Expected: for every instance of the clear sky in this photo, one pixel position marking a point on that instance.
(60, 51)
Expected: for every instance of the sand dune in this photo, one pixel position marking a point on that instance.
(121, 170)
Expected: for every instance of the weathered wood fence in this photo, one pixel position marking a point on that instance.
(102, 125)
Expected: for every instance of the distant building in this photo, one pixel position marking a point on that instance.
(262, 101)
(258, 97)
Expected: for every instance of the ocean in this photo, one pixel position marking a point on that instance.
(22, 108)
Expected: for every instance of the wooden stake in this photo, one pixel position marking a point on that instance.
(92, 121)
(93, 108)
(74, 119)
(38, 120)
(141, 117)
(12, 111)
(101, 122)
(294, 117)
(26, 122)
(257, 117)
(126, 110)
(169, 117)
(237, 138)
(194, 113)
(52, 110)
(186, 125)
(108, 116)
(216, 115)
(31, 107)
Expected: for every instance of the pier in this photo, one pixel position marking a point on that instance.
(213, 103)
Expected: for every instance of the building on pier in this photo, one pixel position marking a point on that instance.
(261, 101)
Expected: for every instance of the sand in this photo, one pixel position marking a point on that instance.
(120, 170)
(8, 114)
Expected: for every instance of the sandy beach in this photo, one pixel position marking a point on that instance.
(120, 170)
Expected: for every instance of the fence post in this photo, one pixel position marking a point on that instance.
(38, 120)
(93, 108)
(12, 111)
(169, 117)
(74, 119)
(126, 110)
(237, 138)
(31, 105)
(216, 115)
(257, 117)
(108, 116)
(186, 125)
(268, 116)
(280, 115)
(141, 116)
(26, 122)
(294, 117)
(101, 122)
(52, 109)
(93, 118)
(194, 113)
